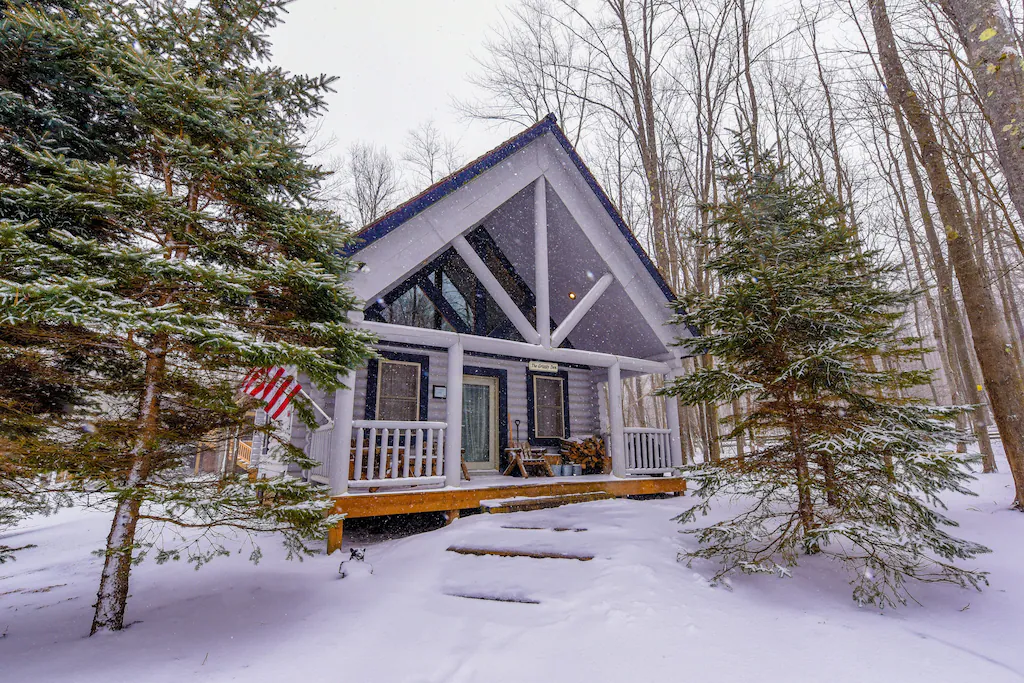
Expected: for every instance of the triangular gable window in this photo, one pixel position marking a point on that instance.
(446, 295)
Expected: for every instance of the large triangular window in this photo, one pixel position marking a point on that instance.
(446, 295)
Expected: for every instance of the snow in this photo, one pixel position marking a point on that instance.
(631, 613)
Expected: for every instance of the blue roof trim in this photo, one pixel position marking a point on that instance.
(389, 222)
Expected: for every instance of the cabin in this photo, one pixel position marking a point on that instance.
(509, 301)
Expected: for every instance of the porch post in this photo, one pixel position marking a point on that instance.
(618, 441)
(672, 415)
(540, 253)
(341, 436)
(453, 435)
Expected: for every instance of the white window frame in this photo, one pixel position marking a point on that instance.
(536, 405)
(380, 383)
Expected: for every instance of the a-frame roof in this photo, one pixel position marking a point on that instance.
(446, 186)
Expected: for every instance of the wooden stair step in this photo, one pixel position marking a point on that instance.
(544, 528)
(514, 552)
(495, 597)
(499, 506)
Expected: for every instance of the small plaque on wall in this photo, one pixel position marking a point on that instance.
(440, 391)
(542, 366)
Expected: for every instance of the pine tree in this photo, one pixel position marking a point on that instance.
(48, 101)
(845, 463)
(162, 229)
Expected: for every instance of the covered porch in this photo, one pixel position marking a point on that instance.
(360, 456)
(384, 467)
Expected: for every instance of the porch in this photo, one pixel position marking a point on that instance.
(377, 467)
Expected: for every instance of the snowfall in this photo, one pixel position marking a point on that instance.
(632, 613)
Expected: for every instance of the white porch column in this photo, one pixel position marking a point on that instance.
(615, 423)
(672, 415)
(540, 252)
(453, 434)
(341, 437)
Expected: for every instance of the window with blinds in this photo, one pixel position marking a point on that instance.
(548, 407)
(398, 390)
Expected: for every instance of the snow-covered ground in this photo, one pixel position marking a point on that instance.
(631, 614)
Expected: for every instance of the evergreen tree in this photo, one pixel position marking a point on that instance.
(49, 100)
(162, 233)
(845, 462)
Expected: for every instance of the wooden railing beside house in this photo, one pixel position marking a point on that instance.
(244, 454)
(648, 450)
(384, 453)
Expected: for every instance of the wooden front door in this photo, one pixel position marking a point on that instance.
(480, 422)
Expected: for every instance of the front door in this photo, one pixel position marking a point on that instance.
(480, 422)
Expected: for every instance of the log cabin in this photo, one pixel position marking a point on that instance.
(509, 301)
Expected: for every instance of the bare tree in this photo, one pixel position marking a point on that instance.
(1001, 374)
(370, 185)
(985, 32)
(532, 66)
(429, 155)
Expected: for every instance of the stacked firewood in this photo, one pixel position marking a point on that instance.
(588, 452)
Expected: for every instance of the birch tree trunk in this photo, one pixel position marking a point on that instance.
(1001, 375)
(986, 34)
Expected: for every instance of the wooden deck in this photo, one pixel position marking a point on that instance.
(472, 494)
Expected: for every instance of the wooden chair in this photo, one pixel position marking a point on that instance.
(524, 458)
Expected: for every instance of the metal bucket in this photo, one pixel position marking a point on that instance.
(577, 470)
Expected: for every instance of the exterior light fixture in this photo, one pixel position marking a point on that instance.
(572, 295)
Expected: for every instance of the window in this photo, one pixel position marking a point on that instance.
(548, 407)
(398, 390)
(445, 294)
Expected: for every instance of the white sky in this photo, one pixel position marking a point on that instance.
(399, 63)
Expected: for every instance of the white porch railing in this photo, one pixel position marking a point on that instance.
(397, 453)
(384, 453)
(648, 450)
(318, 447)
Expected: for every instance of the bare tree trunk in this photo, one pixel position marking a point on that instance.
(749, 78)
(113, 592)
(960, 357)
(1002, 377)
(986, 34)
(687, 433)
(737, 418)
(714, 442)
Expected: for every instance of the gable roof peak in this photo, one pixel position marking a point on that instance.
(449, 184)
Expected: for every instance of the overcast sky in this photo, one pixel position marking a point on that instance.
(399, 62)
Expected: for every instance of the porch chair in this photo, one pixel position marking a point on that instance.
(524, 458)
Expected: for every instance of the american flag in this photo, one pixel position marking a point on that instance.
(272, 385)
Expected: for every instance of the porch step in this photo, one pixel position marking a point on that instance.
(543, 528)
(513, 552)
(496, 597)
(541, 502)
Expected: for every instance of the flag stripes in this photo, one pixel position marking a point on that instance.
(272, 385)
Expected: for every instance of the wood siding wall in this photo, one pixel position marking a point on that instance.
(583, 397)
